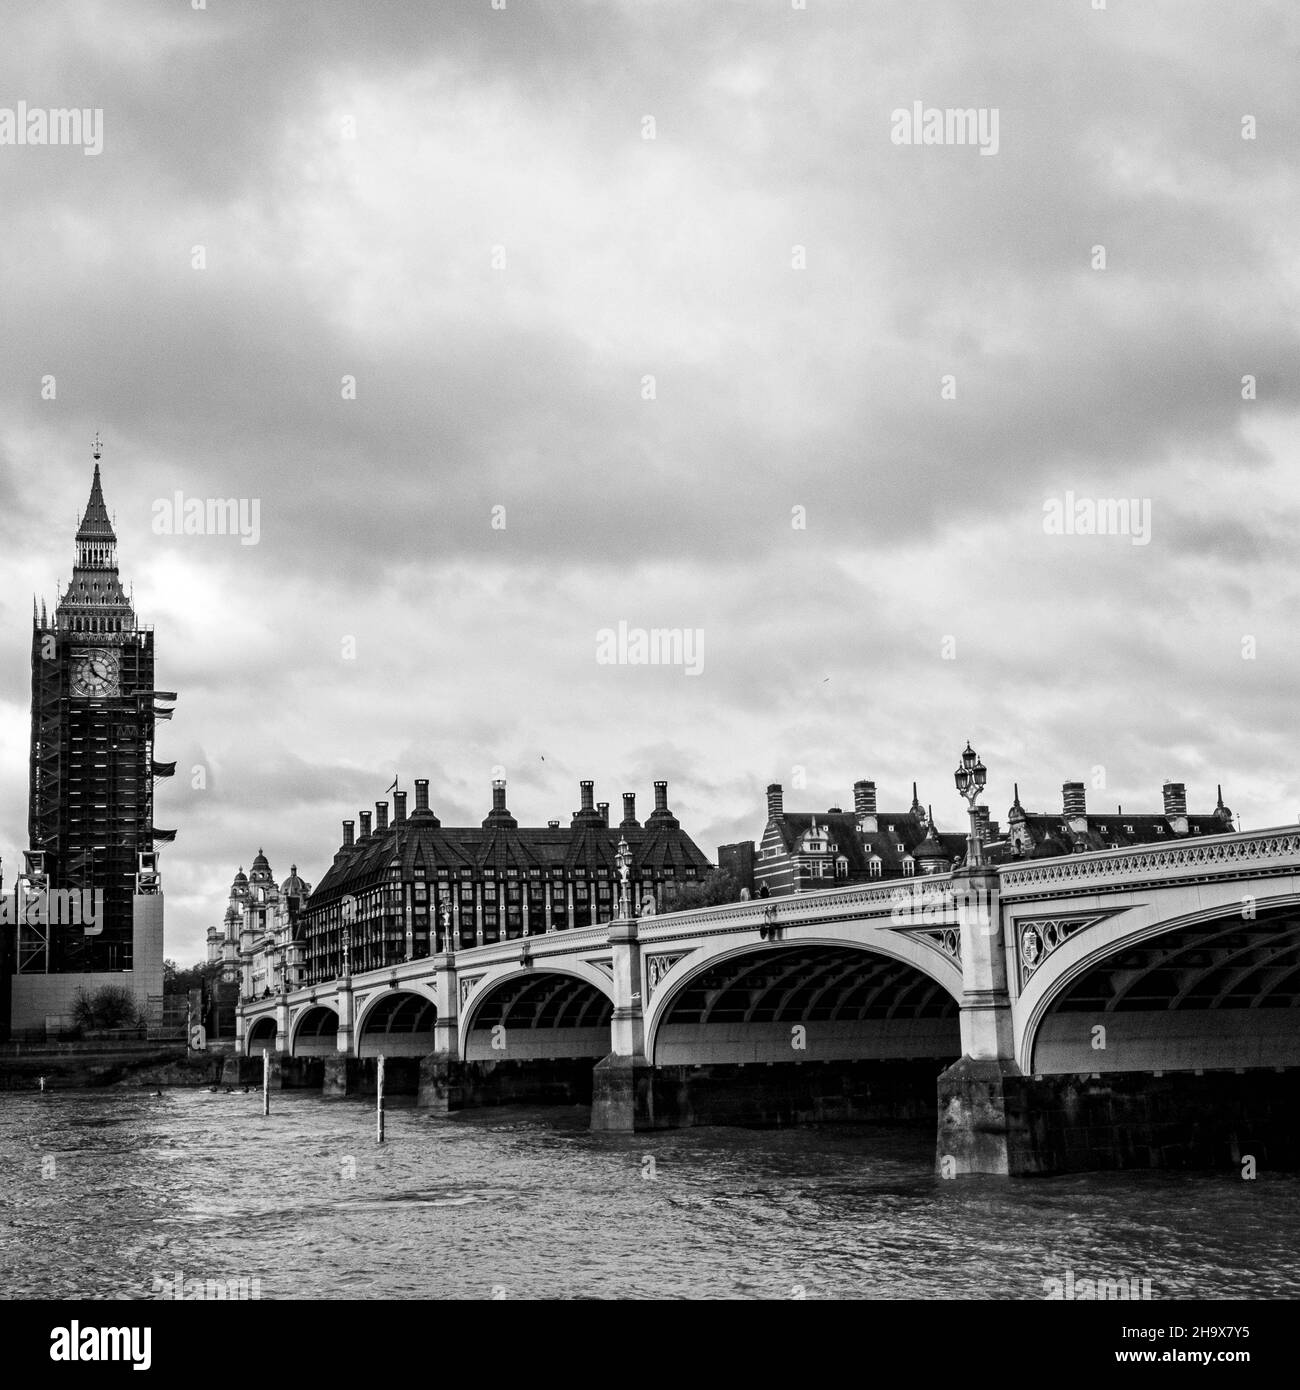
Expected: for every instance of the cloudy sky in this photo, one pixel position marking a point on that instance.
(769, 375)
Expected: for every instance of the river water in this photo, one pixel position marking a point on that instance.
(106, 1194)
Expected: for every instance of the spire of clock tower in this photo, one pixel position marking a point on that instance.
(94, 600)
(96, 539)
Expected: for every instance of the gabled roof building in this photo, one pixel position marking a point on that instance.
(414, 887)
(1072, 830)
(803, 851)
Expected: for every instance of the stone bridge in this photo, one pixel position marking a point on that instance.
(1121, 1008)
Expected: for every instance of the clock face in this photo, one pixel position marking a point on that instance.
(95, 673)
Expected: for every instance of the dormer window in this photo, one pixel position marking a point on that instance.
(909, 864)
(841, 867)
(875, 866)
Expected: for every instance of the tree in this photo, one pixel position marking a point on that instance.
(109, 1007)
(198, 976)
(718, 886)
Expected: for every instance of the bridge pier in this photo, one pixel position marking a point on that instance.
(622, 1095)
(995, 1121)
(442, 1084)
(980, 1118)
(621, 1083)
(341, 1076)
(441, 1087)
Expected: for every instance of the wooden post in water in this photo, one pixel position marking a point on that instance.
(379, 1091)
(266, 1082)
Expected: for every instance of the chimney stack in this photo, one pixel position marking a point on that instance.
(499, 794)
(349, 837)
(421, 794)
(774, 807)
(864, 798)
(1074, 803)
(661, 797)
(1176, 806)
(629, 811)
(364, 818)
(603, 808)
(381, 816)
(587, 789)
(399, 807)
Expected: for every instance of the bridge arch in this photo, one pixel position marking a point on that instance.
(263, 1033)
(893, 998)
(397, 1023)
(314, 1032)
(1211, 987)
(533, 1013)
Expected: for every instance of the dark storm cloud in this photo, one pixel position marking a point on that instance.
(776, 388)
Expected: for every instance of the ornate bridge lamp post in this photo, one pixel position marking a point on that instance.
(347, 915)
(623, 863)
(970, 777)
(444, 921)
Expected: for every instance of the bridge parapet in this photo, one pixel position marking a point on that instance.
(825, 905)
(1242, 855)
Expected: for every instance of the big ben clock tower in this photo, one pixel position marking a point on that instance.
(90, 816)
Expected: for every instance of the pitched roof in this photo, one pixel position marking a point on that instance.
(499, 848)
(95, 523)
(1050, 834)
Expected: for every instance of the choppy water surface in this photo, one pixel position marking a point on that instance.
(103, 1192)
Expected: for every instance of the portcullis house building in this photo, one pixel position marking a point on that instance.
(413, 887)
